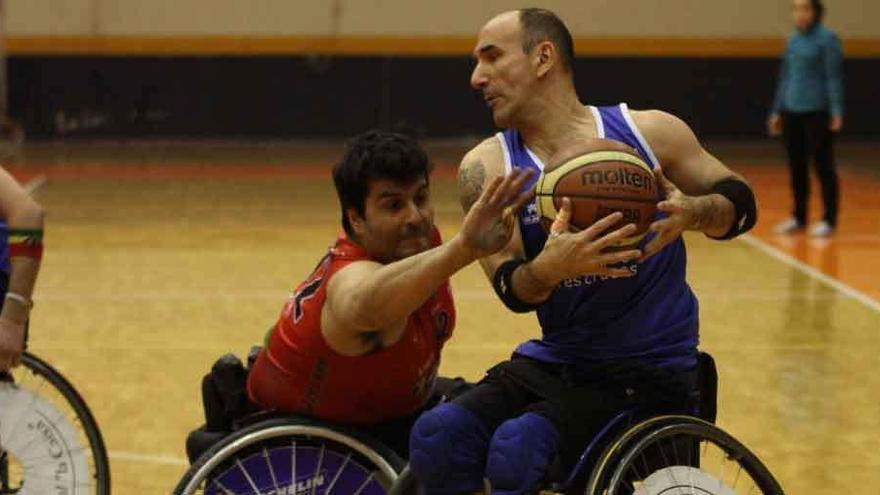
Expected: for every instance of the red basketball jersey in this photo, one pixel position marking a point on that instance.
(298, 372)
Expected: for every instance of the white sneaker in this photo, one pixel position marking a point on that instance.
(787, 227)
(821, 229)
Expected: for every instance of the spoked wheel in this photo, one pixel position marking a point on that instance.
(49, 440)
(679, 455)
(278, 456)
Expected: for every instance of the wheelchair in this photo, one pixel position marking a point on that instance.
(289, 455)
(49, 440)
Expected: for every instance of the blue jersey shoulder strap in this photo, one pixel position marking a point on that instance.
(617, 124)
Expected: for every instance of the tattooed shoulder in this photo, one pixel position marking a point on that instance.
(470, 182)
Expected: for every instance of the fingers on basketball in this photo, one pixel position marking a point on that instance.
(614, 237)
(563, 216)
(602, 225)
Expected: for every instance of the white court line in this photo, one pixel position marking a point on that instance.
(35, 183)
(779, 255)
(857, 237)
(150, 458)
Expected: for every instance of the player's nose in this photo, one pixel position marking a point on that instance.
(414, 214)
(478, 78)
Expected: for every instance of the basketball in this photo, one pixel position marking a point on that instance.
(600, 177)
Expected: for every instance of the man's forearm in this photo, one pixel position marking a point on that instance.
(21, 283)
(714, 215)
(24, 267)
(531, 285)
(394, 291)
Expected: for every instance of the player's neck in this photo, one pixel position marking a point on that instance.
(556, 123)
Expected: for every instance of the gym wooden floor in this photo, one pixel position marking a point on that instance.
(161, 257)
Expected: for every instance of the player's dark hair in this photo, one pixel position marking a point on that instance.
(376, 155)
(540, 25)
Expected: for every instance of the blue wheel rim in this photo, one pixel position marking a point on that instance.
(294, 470)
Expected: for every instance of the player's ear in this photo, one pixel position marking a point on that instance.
(545, 56)
(355, 220)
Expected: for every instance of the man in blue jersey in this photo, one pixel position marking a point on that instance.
(619, 330)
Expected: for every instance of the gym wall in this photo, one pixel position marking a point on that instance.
(282, 68)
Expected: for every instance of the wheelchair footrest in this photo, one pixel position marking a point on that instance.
(200, 440)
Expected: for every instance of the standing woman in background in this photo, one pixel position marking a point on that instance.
(808, 111)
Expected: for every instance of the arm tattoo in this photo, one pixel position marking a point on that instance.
(470, 183)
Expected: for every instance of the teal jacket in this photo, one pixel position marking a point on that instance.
(811, 75)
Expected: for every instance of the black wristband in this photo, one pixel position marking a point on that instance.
(743, 199)
(503, 284)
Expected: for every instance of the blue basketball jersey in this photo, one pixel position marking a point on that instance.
(651, 316)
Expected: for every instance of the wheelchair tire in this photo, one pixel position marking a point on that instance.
(293, 455)
(49, 425)
(638, 449)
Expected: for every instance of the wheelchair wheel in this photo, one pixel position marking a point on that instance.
(293, 456)
(679, 455)
(49, 440)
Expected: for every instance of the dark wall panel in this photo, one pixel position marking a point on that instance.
(327, 96)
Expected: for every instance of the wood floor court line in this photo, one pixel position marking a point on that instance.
(812, 272)
(147, 458)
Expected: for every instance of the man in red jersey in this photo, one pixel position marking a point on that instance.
(359, 341)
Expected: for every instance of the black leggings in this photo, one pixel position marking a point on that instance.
(807, 137)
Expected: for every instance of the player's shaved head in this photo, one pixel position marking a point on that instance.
(533, 26)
